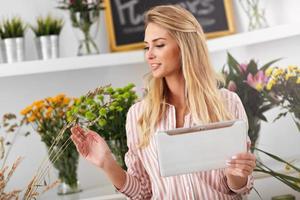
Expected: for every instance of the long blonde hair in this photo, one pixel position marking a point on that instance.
(203, 97)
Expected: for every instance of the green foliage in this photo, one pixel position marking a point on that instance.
(104, 111)
(289, 180)
(12, 28)
(47, 26)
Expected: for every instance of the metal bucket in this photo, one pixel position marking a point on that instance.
(47, 47)
(13, 49)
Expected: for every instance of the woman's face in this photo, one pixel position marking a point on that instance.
(161, 52)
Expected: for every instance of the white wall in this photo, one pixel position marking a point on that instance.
(281, 137)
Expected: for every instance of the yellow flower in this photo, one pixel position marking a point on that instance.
(269, 85)
(259, 87)
(292, 68)
(298, 80)
(269, 71)
(288, 76)
(277, 72)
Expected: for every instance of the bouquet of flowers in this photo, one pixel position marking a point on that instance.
(48, 118)
(248, 82)
(83, 14)
(284, 87)
(104, 111)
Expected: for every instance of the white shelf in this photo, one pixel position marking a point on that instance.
(71, 63)
(254, 37)
(137, 57)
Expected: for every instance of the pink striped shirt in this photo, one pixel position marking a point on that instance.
(143, 180)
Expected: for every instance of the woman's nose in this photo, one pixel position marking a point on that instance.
(150, 55)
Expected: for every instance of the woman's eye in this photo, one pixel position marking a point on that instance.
(146, 48)
(161, 45)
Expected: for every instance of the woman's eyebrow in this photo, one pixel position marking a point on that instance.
(160, 38)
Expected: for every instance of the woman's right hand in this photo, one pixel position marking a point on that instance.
(91, 146)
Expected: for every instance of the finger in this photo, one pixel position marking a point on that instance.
(77, 131)
(78, 137)
(75, 139)
(244, 156)
(80, 130)
(249, 163)
(238, 172)
(246, 168)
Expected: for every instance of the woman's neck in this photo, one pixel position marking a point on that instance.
(176, 91)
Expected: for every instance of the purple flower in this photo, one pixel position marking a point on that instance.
(231, 86)
(243, 67)
(257, 81)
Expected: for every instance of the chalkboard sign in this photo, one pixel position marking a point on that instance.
(125, 19)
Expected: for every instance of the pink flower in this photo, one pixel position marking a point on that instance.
(243, 67)
(231, 86)
(258, 81)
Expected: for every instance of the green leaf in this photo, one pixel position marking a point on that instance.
(278, 159)
(233, 64)
(267, 65)
(252, 67)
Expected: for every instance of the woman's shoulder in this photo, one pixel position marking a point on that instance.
(228, 95)
(136, 107)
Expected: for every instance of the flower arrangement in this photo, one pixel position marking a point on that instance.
(13, 28)
(47, 26)
(284, 88)
(104, 111)
(48, 118)
(248, 82)
(83, 14)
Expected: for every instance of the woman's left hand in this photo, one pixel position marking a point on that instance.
(240, 166)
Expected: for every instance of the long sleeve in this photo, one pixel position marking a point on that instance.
(137, 185)
(236, 108)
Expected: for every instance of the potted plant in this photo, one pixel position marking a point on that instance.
(47, 33)
(12, 34)
(104, 111)
(48, 118)
(84, 15)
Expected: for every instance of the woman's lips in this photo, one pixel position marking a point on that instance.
(154, 66)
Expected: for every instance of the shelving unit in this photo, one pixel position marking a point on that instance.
(137, 57)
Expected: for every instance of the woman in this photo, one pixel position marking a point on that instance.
(182, 91)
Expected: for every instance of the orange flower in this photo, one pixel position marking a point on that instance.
(26, 110)
(32, 118)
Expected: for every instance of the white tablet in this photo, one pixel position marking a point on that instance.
(200, 148)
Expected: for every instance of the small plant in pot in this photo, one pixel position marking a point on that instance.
(12, 34)
(47, 33)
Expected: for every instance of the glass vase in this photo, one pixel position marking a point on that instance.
(255, 14)
(254, 128)
(86, 25)
(118, 148)
(66, 164)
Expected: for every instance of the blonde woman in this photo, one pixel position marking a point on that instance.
(182, 91)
